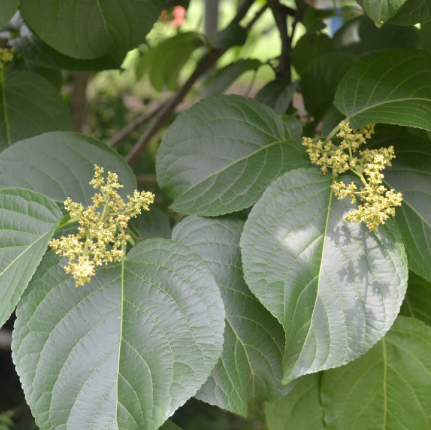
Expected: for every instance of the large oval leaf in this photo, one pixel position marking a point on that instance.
(392, 87)
(30, 105)
(27, 223)
(410, 174)
(125, 351)
(417, 303)
(250, 365)
(301, 409)
(61, 165)
(413, 12)
(91, 28)
(221, 154)
(388, 388)
(335, 287)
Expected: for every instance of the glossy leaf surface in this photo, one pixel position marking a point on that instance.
(27, 223)
(381, 10)
(125, 351)
(29, 106)
(220, 155)
(61, 165)
(393, 87)
(91, 28)
(250, 365)
(301, 409)
(388, 388)
(39, 53)
(335, 287)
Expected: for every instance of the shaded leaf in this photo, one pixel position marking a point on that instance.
(250, 365)
(335, 287)
(393, 87)
(417, 303)
(86, 362)
(387, 388)
(169, 57)
(27, 223)
(381, 11)
(410, 174)
(425, 37)
(292, 125)
(300, 409)
(277, 94)
(361, 37)
(30, 106)
(413, 12)
(39, 53)
(61, 165)
(319, 81)
(7, 10)
(226, 76)
(169, 425)
(308, 48)
(220, 155)
(154, 223)
(92, 28)
(233, 35)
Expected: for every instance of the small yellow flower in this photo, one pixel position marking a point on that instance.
(102, 232)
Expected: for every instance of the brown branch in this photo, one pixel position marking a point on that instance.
(168, 108)
(258, 14)
(135, 124)
(5, 339)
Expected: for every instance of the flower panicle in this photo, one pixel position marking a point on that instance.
(102, 232)
(377, 202)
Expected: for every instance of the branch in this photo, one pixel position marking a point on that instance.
(169, 3)
(258, 14)
(168, 108)
(5, 339)
(135, 124)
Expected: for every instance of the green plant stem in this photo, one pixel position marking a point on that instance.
(334, 131)
(66, 223)
(134, 237)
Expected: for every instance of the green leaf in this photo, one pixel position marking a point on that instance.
(413, 12)
(61, 165)
(27, 223)
(29, 105)
(226, 76)
(250, 365)
(233, 35)
(125, 351)
(7, 10)
(169, 425)
(220, 155)
(300, 409)
(292, 125)
(410, 174)
(277, 94)
(387, 388)
(169, 57)
(91, 29)
(417, 303)
(381, 10)
(393, 87)
(39, 53)
(154, 223)
(308, 48)
(335, 287)
(319, 81)
(425, 37)
(361, 37)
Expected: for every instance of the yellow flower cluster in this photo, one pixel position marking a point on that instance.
(377, 202)
(102, 232)
(6, 56)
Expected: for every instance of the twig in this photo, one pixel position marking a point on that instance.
(168, 108)
(146, 179)
(5, 339)
(135, 124)
(258, 14)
